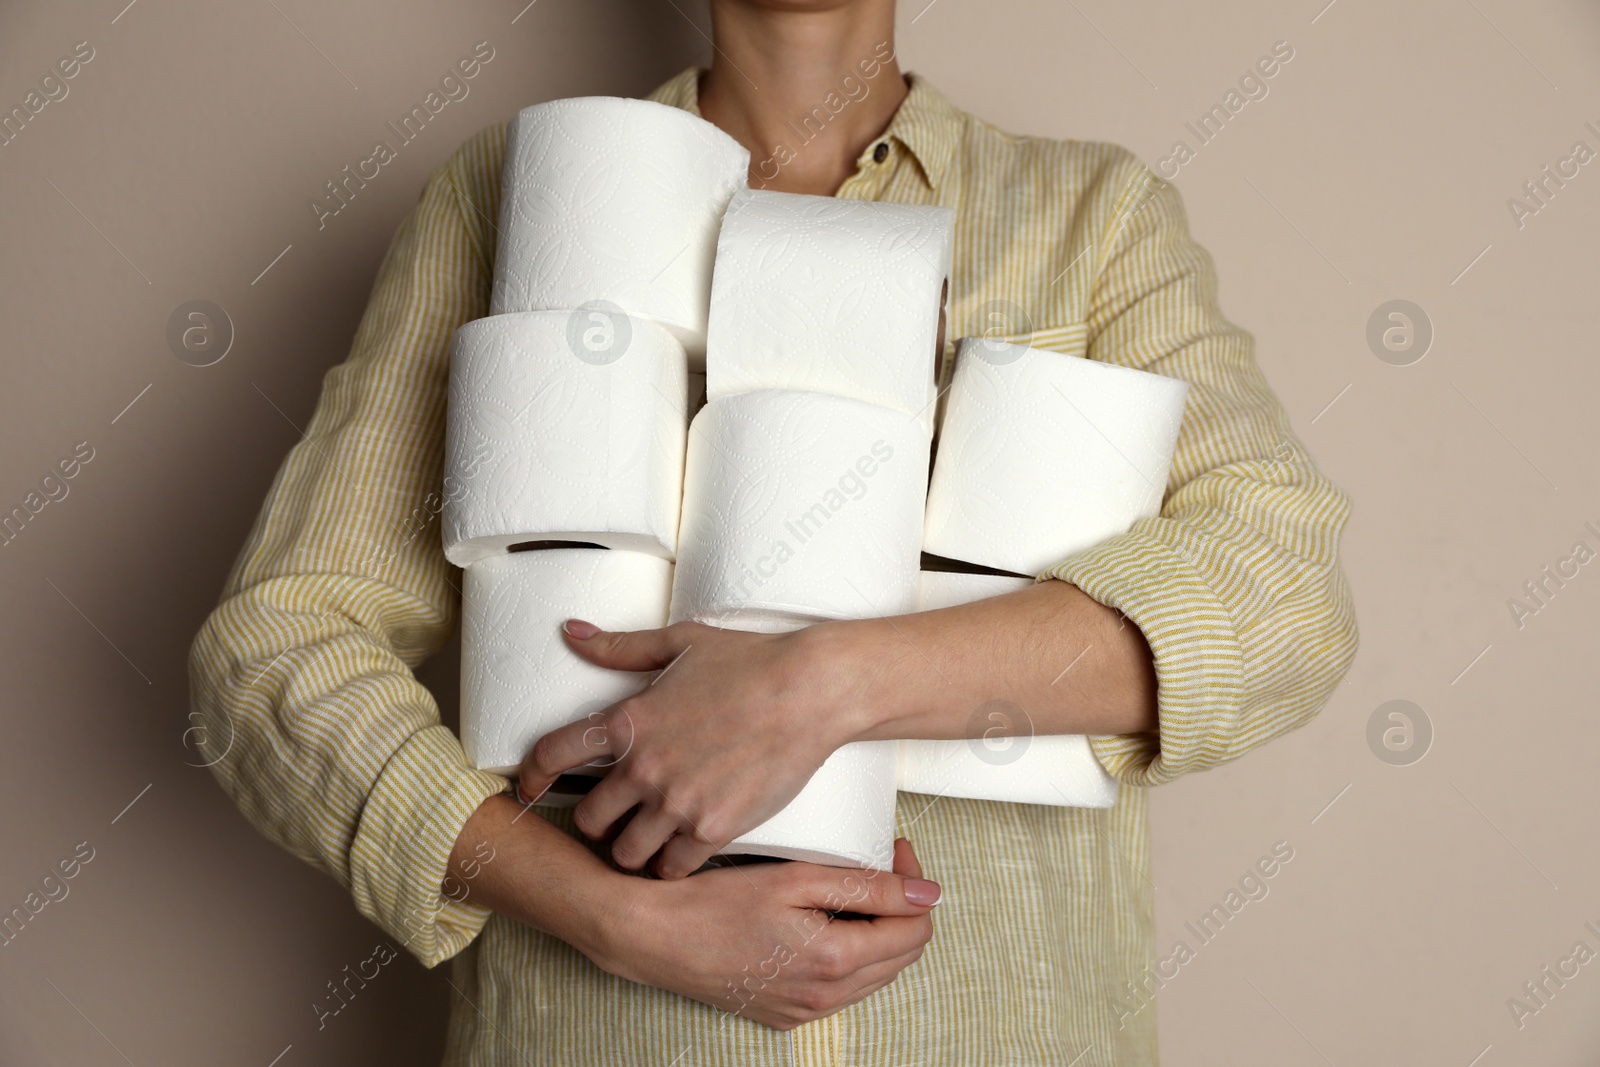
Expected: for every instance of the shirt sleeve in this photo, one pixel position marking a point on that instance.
(1236, 585)
(305, 704)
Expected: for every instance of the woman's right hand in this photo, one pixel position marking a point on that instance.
(758, 940)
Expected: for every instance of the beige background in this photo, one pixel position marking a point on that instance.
(1378, 167)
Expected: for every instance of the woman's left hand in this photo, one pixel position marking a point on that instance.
(722, 740)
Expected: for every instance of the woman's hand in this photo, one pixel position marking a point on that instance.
(722, 740)
(758, 941)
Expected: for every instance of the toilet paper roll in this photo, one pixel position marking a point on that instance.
(831, 296)
(543, 443)
(1013, 764)
(519, 680)
(1043, 454)
(798, 507)
(614, 203)
(844, 817)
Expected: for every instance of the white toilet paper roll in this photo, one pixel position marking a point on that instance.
(545, 442)
(1043, 454)
(618, 202)
(831, 296)
(797, 507)
(1014, 764)
(844, 817)
(519, 680)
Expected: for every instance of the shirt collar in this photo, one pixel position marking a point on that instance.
(926, 123)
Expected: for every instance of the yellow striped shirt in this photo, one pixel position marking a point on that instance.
(1042, 951)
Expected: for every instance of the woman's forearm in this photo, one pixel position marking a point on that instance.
(736, 723)
(538, 875)
(1072, 665)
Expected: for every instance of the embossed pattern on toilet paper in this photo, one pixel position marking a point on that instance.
(799, 506)
(614, 200)
(844, 816)
(1054, 769)
(519, 680)
(828, 295)
(544, 445)
(1043, 454)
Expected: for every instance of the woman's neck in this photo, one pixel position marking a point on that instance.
(806, 91)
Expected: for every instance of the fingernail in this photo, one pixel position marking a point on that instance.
(524, 797)
(579, 629)
(923, 893)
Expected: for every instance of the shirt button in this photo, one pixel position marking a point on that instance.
(880, 153)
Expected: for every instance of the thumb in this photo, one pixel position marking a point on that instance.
(623, 650)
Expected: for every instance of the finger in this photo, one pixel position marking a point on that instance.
(869, 892)
(807, 1001)
(644, 835)
(607, 803)
(684, 855)
(624, 650)
(604, 735)
(858, 944)
(874, 977)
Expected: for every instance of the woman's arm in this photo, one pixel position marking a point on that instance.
(1074, 666)
(737, 724)
(1066, 663)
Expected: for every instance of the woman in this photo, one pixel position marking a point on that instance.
(1198, 634)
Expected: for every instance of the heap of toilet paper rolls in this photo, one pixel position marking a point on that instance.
(696, 401)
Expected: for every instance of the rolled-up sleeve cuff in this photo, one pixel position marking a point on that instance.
(1199, 663)
(402, 847)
